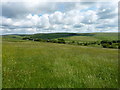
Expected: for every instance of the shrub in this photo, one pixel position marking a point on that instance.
(73, 41)
(61, 41)
(54, 41)
(26, 38)
(105, 41)
(105, 45)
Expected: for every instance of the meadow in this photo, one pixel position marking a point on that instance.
(28, 64)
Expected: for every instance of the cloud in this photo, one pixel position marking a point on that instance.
(56, 18)
(48, 17)
(13, 9)
(21, 9)
(44, 21)
(107, 10)
(90, 17)
(78, 25)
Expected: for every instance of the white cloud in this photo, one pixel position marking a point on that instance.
(51, 17)
(44, 21)
(7, 21)
(56, 18)
(73, 17)
(90, 17)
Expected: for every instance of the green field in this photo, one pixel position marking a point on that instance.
(81, 38)
(68, 36)
(28, 64)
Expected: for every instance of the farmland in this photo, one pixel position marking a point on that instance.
(29, 64)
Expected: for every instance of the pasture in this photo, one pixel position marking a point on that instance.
(30, 64)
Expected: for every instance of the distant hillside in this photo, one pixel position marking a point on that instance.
(67, 36)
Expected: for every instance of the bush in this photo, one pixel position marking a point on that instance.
(61, 41)
(54, 41)
(110, 43)
(105, 45)
(27, 38)
(73, 41)
(85, 44)
(105, 41)
(114, 41)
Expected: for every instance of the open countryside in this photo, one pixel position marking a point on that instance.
(42, 64)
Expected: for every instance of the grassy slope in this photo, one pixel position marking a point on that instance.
(84, 37)
(81, 38)
(107, 36)
(37, 64)
(14, 38)
(94, 37)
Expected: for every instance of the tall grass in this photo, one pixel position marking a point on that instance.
(50, 65)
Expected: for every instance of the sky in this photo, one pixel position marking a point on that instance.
(20, 17)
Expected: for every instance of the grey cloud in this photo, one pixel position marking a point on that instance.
(106, 11)
(77, 26)
(21, 9)
(13, 9)
(105, 26)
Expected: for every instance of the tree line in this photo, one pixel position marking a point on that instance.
(103, 43)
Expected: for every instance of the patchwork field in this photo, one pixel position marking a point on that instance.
(43, 65)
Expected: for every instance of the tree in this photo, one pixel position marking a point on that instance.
(61, 41)
(26, 38)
